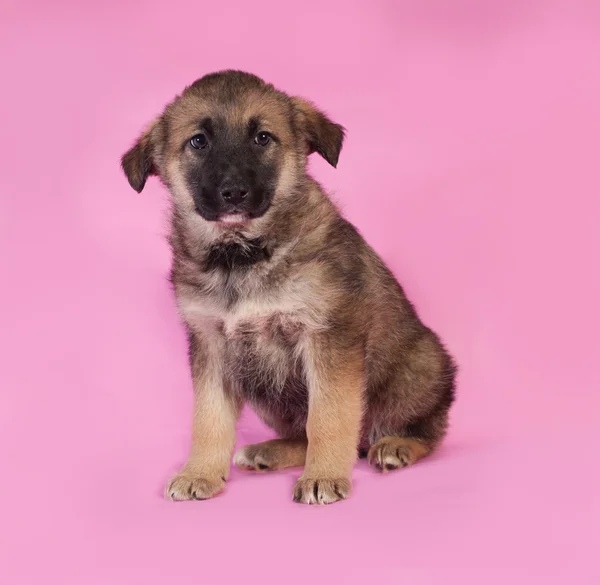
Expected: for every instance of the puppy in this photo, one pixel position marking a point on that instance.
(286, 307)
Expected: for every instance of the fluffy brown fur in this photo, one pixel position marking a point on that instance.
(288, 310)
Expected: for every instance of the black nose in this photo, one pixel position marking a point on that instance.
(233, 195)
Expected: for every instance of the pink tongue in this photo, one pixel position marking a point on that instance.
(232, 218)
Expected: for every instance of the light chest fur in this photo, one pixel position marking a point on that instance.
(261, 334)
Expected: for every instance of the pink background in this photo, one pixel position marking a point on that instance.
(471, 165)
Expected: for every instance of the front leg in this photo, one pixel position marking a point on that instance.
(335, 378)
(213, 432)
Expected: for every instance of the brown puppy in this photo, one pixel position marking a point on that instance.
(287, 308)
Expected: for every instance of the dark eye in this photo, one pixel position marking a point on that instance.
(262, 138)
(199, 142)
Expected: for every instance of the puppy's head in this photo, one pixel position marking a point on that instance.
(231, 146)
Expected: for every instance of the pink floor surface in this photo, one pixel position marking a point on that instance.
(471, 165)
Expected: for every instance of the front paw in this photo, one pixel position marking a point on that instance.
(190, 486)
(312, 490)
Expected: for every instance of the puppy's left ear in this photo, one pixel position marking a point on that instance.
(321, 134)
(138, 163)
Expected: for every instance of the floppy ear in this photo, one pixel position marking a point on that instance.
(320, 133)
(138, 162)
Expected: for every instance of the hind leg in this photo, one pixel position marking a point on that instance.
(413, 441)
(424, 387)
(390, 453)
(270, 455)
(288, 420)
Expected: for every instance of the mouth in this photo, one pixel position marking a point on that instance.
(233, 218)
(223, 218)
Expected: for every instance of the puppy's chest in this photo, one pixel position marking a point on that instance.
(270, 320)
(277, 328)
(260, 347)
(262, 333)
(256, 335)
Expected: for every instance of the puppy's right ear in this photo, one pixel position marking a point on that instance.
(138, 162)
